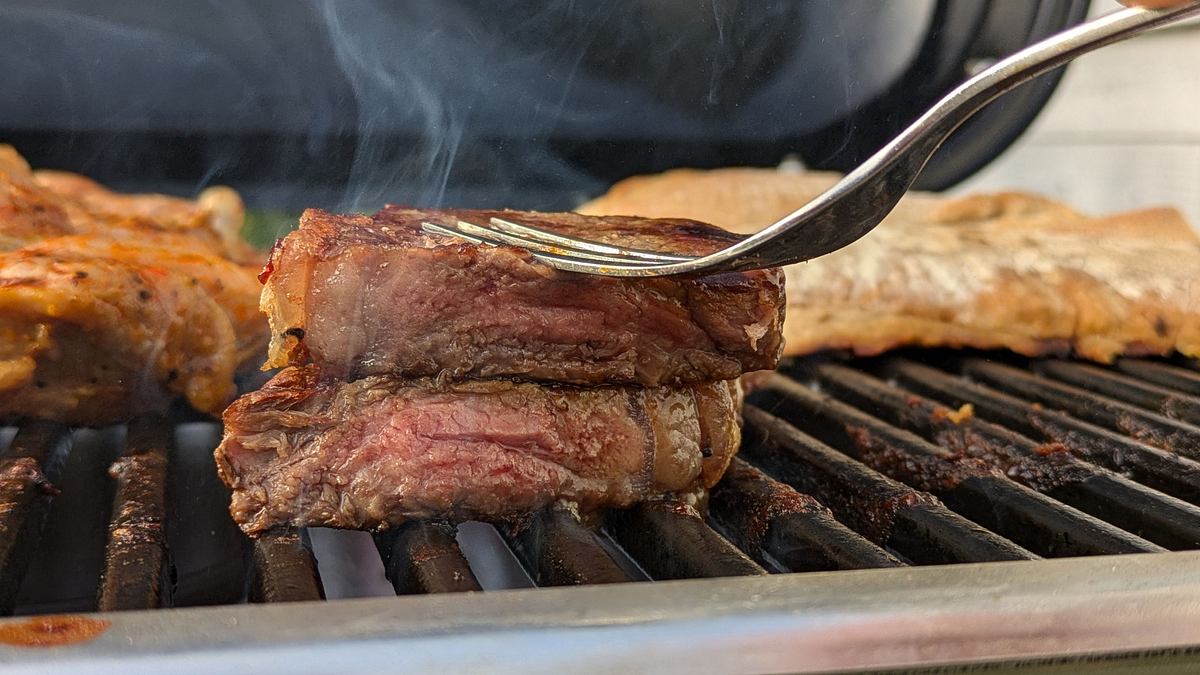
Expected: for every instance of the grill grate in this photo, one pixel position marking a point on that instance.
(846, 464)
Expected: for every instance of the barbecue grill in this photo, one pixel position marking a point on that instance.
(917, 510)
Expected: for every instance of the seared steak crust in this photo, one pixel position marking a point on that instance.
(372, 453)
(368, 295)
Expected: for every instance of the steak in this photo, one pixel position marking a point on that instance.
(372, 295)
(375, 452)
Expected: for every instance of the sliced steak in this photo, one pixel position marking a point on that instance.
(366, 295)
(375, 452)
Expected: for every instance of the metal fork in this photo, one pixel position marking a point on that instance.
(856, 204)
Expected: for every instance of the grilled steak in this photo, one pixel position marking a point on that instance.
(380, 450)
(364, 295)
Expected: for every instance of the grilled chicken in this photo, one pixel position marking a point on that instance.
(115, 305)
(1010, 270)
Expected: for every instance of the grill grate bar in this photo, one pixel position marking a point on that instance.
(28, 470)
(968, 486)
(1161, 400)
(1154, 467)
(860, 472)
(912, 523)
(772, 522)
(424, 557)
(558, 550)
(1142, 425)
(670, 540)
(1047, 468)
(1162, 374)
(136, 562)
(284, 569)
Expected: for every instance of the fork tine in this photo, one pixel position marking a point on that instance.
(570, 263)
(434, 228)
(536, 247)
(577, 246)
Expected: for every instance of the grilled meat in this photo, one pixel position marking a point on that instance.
(112, 305)
(360, 295)
(380, 450)
(1009, 270)
(37, 205)
(93, 340)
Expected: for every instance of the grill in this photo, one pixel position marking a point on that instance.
(856, 478)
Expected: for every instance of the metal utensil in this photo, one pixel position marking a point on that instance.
(860, 201)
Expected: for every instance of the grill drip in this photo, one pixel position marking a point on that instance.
(846, 464)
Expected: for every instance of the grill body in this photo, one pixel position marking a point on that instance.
(915, 510)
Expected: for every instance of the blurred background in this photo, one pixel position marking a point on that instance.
(348, 105)
(1122, 131)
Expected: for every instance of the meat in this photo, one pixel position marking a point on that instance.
(1010, 270)
(427, 377)
(115, 305)
(365, 295)
(36, 205)
(372, 453)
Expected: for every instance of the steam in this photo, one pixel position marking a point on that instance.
(349, 105)
(427, 83)
(388, 86)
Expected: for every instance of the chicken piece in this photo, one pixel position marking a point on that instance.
(91, 340)
(112, 305)
(1009, 270)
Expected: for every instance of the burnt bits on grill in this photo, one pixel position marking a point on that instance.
(430, 378)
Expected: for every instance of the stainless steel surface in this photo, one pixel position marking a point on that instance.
(861, 200)
(991, 612)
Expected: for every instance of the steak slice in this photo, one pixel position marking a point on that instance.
(369, 295)
(375, 452)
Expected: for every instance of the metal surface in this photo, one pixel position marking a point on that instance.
(136, 566)
(284, 569)
(794, 623)
(424, 557)
(1154, 467)
(907, 521)
(1048, 468)
(28, 470)
(560, 551)
(975, 489)
(786, 530)
(861, 200)
(670, 541)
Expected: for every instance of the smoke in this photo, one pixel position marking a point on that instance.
(351, 104)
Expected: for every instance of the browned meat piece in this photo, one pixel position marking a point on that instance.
(36, 205)
(213, 221)
(361, 295)
(28, 211)
(375, 452)
(233, 286)
(94, 340)
(1009, 270)
(110, 305)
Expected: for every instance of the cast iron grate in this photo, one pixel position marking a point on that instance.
(845, 464)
